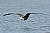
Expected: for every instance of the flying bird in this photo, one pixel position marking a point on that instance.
(22, 17)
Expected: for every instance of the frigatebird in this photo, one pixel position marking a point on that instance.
(22, 17)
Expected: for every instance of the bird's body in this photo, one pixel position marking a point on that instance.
(23, 17)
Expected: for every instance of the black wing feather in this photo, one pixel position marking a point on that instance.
(8, 14)
(27, 15)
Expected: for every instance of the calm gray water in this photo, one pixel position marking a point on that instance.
(38, 23)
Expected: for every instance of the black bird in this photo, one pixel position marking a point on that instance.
(22, 17)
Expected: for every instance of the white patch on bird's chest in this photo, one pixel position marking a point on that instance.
(21, 18)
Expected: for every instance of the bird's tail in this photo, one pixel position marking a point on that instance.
(8, 14)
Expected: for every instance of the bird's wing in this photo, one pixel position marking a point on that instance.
(39, 13)
(36, 13)
(8, 14)
(13, 13)
(27, 15)
(19, 15)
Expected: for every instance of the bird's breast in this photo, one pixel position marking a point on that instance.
(21, 18)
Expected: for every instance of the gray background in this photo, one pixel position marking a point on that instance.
(35, 24)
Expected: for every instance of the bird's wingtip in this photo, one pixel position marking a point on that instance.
(8, 14)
